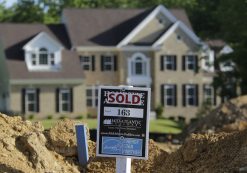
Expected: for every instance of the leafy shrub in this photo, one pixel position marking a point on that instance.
(30, 117)
(91, 116)
(62, 117)
(79, 117)
(159, 111)
(49, 117)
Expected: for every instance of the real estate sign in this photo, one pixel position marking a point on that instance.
(123, 122)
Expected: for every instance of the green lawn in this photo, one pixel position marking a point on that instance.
(159, 126)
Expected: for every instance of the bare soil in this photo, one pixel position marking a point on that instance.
(26, 147)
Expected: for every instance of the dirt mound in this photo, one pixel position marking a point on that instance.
(214, 153)
(26, 147)
(228, 116)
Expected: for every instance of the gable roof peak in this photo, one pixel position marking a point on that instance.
(40, 35)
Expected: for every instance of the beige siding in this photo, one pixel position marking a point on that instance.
(47, 100)
(152, 30)
(173, 46)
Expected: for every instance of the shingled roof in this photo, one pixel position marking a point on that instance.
(15, 36)
(107, 27)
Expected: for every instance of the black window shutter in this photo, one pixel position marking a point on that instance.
(102, 63)
(23, 93)
(196, 64)
(175, 62)
(184, 94)
(183, 63)
(71, 100)
(161, 62)
(93, 63)
(197, 95)
(162, 94)
(175, 95)
(57, 99)
(37, 97)
(115, 63)
(215, 96)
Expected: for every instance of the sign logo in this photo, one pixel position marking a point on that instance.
(123, 122)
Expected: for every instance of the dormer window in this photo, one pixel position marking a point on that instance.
(43, 53)
(43, 58)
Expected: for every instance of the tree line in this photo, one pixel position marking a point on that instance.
(225, 19)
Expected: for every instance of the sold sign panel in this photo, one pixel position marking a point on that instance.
(123, 122)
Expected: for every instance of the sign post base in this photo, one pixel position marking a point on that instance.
(123, 165)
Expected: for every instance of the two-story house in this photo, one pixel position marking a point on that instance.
(154, 48)
(45, 77)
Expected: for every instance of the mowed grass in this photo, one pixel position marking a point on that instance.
(157, 126)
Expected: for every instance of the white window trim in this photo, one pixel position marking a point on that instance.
(89, 63)
(208, 97)
(62, 91)
(27, 102)
(172, 62)
(145, 65)
(187, 97)
(93, 97)
(37, 58)
(166, 96)
(110, 63)
(192, 62)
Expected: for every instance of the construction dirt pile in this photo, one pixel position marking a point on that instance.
(27, 147)
(228, 117)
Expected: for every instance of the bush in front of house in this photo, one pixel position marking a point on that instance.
(62, 117)
(30, 117)
(79, 117)
(91, 116)
(159, 111)
(50, 117)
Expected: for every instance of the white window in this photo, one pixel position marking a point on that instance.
(190, 62)
(65, 100)
(87, 62)
(139, 66)
(191, 95)
(107, 63)
(31, 100)
(170, 95)
(42, 58)
(170, 62)
(92, 96)
(208, 94)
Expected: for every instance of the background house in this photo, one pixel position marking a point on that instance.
(154, 48)
(45, 77)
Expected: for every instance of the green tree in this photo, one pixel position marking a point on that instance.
(232, 17)
(27, 11)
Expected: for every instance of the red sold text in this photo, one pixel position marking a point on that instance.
(123, 98)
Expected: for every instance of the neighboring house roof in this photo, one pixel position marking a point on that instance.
(71, 69)
(15, 36)
(216, 43)
(107, 27)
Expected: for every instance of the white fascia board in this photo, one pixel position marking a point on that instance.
(45, 81)
(226, 50)
(190, 33)
(139, 27)
(166, 34)
(184, 28)
(138, 48)
(112, 48)
(40, 35)
(96, 48)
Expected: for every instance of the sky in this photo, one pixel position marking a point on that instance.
(9, 2)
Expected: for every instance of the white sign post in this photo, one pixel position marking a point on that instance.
(123, 124)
